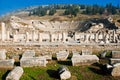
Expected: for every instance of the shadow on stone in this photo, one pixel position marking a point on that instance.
(99, 69)
(53, 74)
(17, 63)
(54, 58)
(69, 57)
(20, 56)
(68, 63)
(5, 75)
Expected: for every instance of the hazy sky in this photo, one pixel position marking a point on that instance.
(11, 5)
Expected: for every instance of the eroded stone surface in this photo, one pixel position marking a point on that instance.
(78, 59)
(64, 73)
(116, 71)
(62, 55)
(7, 63)
(15, 74)
(34, 61)
(3, 54)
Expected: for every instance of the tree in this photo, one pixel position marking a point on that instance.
(52, 11)
(72, 10)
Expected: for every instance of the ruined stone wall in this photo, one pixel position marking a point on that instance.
(12, 50)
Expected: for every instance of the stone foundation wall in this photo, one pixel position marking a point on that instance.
(11, 50)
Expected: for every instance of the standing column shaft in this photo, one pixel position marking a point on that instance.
(27, 37)
(64, 37)
(40, 37)
(33, 36)
(3, 31)
(8, 35)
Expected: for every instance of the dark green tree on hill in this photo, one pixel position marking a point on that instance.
(72, 10)
(40, 11)
(52, 11)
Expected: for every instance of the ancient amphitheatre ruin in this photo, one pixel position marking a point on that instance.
(38, 40)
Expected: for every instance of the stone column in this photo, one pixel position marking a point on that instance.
(40, 37)
(87, 38)
(8, 35)
(58, 37)
(33, 36)
(75, 36)
(51, 37)
(107, 38)
(14, 38)
(114, 35)
(3, 31)
(96, 37)
(27, 37)
(64, 37)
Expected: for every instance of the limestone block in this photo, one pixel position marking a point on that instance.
(15, 74)
(116, 71)
(64, 73)
(114, 60)
(84, 60)
(34, 61)
(86, 52)
(27, 37)
(3, 34)
(62, 55)
(115, 54)
(117, 64)
(7, 63)
(3, 54)
(28, 53)
(48, 57)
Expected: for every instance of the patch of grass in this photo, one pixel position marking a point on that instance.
(108, 55)
(92, 72)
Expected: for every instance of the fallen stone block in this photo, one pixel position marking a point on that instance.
(3, 54)
(84, 60)
(28, 53)
(64, 73)
(117, 64)
(34, 61)
(76, 54)
(116, 71)
(48, 57)
(7, 63)
(114, 60)
(15, 74)
(86, 52)
(62, 55)
(115, 54)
